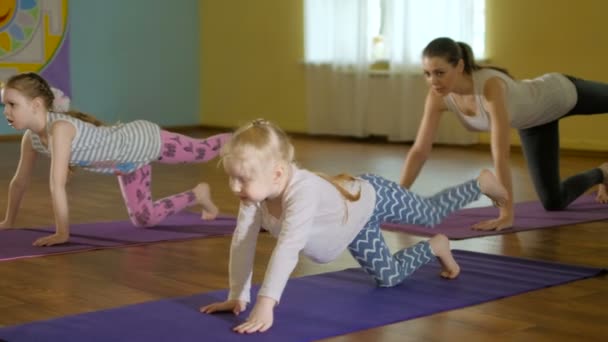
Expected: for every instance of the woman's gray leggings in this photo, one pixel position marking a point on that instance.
(541, 150)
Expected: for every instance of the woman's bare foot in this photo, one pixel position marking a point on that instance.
(602, 190)
(491, 187)
(604, 168)
(440, 245)
(203, 195)
(602, 194)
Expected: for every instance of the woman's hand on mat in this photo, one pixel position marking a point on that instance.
(602, 194)
(55, 239)
(504, 221)
(234, 305)
(261, 317)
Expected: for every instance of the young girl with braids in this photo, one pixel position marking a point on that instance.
(486, 98)
(321, 216)
(75, 139)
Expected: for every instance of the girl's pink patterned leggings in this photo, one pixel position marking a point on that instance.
(176, 149)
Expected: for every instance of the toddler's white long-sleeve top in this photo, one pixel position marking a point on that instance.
(316, 220)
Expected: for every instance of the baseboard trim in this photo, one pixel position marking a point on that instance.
(370, 139)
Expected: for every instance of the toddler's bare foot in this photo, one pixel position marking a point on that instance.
(203, 195)
(440, 245)
(491, 187)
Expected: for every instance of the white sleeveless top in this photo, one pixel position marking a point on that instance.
(117, 149)
(530, 103)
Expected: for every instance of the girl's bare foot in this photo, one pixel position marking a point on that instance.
(491, 187)
(440, 245)
(203, 195)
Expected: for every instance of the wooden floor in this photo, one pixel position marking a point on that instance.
(54, 286)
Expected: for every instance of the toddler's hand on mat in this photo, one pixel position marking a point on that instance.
(261, 317)
(234, 305)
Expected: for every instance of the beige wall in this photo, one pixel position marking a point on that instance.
(531, 37)
(252, 53)
(251, 62)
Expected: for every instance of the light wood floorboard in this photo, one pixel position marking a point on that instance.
(54, 286)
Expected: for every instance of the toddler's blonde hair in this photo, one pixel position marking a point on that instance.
(255, 145)
(260, 143)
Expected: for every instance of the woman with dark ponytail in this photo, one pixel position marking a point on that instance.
(488, 98)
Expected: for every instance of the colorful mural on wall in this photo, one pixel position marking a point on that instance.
(34, 37)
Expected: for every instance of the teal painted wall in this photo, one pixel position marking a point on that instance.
(135, 59)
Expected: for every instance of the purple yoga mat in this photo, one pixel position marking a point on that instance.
(528, 216)
(17, 243)
(313, 307)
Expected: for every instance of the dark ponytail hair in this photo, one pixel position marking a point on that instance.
(453, 52)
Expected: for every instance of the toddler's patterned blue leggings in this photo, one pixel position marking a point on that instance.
(395, 204)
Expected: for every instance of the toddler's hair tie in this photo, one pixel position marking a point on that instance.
(259, 122)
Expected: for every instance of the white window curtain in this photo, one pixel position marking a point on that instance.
(341, 43)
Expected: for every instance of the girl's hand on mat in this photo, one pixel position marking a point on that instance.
(50, 240)
(602, 194)
(234, 305)
(498, 224)
(261, 317)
